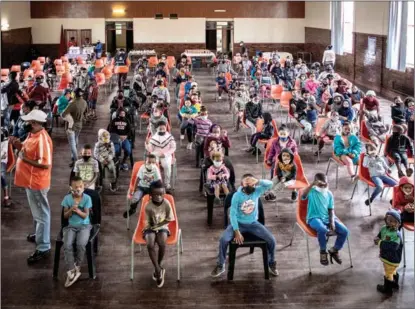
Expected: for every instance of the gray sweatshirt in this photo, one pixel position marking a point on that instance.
(376, 165)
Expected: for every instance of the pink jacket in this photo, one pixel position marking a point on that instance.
(311, 85)
(213, 171)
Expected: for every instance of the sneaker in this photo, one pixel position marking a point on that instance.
(72, 276)
(368, 202)
(217, 271)
(250, 149)
(131, 211)
(181, 137)
(189, 146)
(31, 238)
(217, 201)
(7, 202)
(354, 178)
(154, 276)
(124, 167)
(37, 256)
(317, 153)
(400, 174)
(113, 187)
(272, 197)
(294, 195)
(160, 280)
(273, 269)
(220, 98)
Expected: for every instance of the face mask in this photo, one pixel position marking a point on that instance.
(255, 102)
(161, 133)
(411, 106)
(286, 161)
(120, 96)
(346, 133)
(84, 74)
(396, 133)
(321, 190)
(86, 158)
(407, 192)
(346, 105)
(217, 163)
(217, 135)
(334, 118)
(77, 192)
(28, 127)
(149, 166)
(249, 190)
(204, 117)
(156, 114)
(106, 140)
(283, 139)
(371, 153)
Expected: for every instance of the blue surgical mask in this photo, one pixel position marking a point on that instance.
(284, 139)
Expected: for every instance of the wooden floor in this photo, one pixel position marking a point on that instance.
(334, 286)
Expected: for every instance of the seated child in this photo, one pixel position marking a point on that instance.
(221, 84)
(266, 133)
(286, 172)
(346, 112)
(87, 168)
(325, 98)
(378, 171)
(398, 111)
(240, 102)
(156, 116)
(376, 129)
(390, 244)
(397, 148)
(328, 131)
(404, 199)
(253, 111)
(76, 207)
(218, 176)
(104, 152)
(217, 140)
(321, 218)
(188, 112)
(309, 122)
(158, 215)
(147, 174)
(63, 103)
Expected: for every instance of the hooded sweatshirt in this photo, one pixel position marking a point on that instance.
(336, 106)
(289, 171)
(399, 143)
(376, 165)
(347, 112)
(390, 243)
(138, 84)
(104, 150)
(162, 144)
(341, 149)
(400, 199)
(162, 92)
(276, 148)
(331, 127)
(398, 113)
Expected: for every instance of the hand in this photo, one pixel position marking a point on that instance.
(351, 155)
(389, 171)
(332, 227)
(162, 155)
(21, 154)
(376, 241)
(123, 138)
(283, 179)
(106, 162)
(249, 181)
(224, 133)
(239, 239)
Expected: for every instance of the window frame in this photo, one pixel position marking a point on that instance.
(346, 50)
(410, 52)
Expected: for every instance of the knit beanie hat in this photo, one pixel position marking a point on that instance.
(395, 214)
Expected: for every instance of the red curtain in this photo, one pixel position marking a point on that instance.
(62, 45)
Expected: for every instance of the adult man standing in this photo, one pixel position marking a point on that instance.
(33, 172)
(77, 110)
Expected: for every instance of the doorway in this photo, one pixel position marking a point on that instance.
(119, 34)
(219, 36)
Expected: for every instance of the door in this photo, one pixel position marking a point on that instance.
(69, 33)
(86, 33)
(211, 39)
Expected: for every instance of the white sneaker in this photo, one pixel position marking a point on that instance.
(220, 98)
(189, 146)
(182, 137)
(72, 276)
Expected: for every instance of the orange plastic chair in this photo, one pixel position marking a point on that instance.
(152, 62)
(58, 62)
(175, 237)
(10, 166)
(35, 63)
(5, 74)
(67, 66)
(99, 64)
(390, 159)
(301, 223)
(121, 69)
(100, 78)
(16, 68)
(28, 73)
(338, 162)
(265, 166)
(320, 122)
(364, 176)
(107, 72)
(259, 127)
(60, 69)
(42, 60)
(276, 91)
(364, 134)
(171, 62)
(80, 61)
(181, 90)
(65, 80)
(132, 187)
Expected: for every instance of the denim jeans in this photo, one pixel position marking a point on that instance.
(73, 139)
(379, 182)
(400, 158)
(124, 145)
(78, 235)
(254, 228)
(39, 206)
(322, 228)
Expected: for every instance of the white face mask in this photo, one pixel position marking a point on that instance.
(149, 166)
(321, 190)
(286, 161)
(204, 117)
(372, 153)
(217, 163)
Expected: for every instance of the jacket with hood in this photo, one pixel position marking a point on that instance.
(376, 165)
(288, 171)
(356, 96)
(390, 243)
(354, 147)
(319, 93)
(347, 112)
(104, 150)
(398, 113)
(162, 92)
(138, 84)
(312, 86)
(253, 111)
(276, 148)
(399, 143)
(331, 128)
(400, 200)
(162, 144)
(336, 106)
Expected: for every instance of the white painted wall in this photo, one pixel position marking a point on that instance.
(269, 30)
(15, 13)
(48, 30)
(317, 14)
(372, 17)
(182, 30)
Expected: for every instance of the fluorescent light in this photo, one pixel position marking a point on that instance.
(220, 11)
(118, 11)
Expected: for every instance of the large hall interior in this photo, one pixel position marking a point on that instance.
(207, 154)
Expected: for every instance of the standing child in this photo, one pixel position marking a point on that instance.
(403, 200)
(76, 207)
(266, 133)
(378, 171)
(188, 112)
(218, 176)
(321, 218)
(398, 147)
(309, 122)
(398, 111)
(92, 97)
(104, 152)
(158, 215)
(147, 174)
(390, 243)
(286, 171)
(63, 103)
(221, 84)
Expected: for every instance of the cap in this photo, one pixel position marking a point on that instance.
(371, 93)
(35, 115)
(394, 214)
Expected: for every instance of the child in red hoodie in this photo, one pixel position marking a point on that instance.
(403, 199)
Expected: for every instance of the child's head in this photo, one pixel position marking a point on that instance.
(286, 156)
(86, 152)
(407, 188)
(393, 219)
(312, 76)
(397, 129)
(346, 103)
(161, 127)
(411, 104)
(216, 131)
(354, 89)
(77, 186)
(320, 182)
(151, 159)
(267, 118)
(121, 113)
(370, 95)
(283, 133)
(157, 192)
(154, 98)
(203, 112)
(187, 102)
(334, 116)
(158, 111)
(306, 94)
(397, 100)
(347, 128)
(67, 93)
(221, 74)
(217, 158)
(371, 149)
(104, 136)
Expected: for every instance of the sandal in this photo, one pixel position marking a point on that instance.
(323, 258)
(334, 255)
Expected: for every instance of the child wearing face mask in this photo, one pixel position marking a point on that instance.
(253, 111)
(347, 148)
(328, 131)
(147, 174)
(104, 152)
(356, 95)
(156, 116)
(87, 168)
(221, 85)
(409, 113)
(403, 199)
(321, 218)
(161, 91)
(309, 122)
(202, 126)
(390, 244)
(219, 137)
(76, 206)
(398, 111)
(398, 147)
(312, 84)
(63, 103)
(346, 112)
(188, 113)
(286, 171)
(218, 176)
(378, 171)
(266, 133)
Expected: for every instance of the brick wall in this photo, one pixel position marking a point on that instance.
(363, 67)
(292, 48)
(170, 49)
(15, 46)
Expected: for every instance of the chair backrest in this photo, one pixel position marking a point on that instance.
(276, 91)
(35, 63)
(285, 98)
(134, 173)
(301, 214)
(364, 133)
(16, 68)
(107, 72)
(100, 78)
(152, 61)
(11, 158)
(301, 177)
(99, 63)
(171, 62)
(28, 73)
(363, 172)
(121, 69)
(319, 124)
(65, 80)
(259, 124)
(274, 124)
(267, 150)
(173, 226)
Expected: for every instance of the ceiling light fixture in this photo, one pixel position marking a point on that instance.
(118, 11)
(220, 11)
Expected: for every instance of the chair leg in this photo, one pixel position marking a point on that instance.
(91, 261)
(350, 253)
(232, 258)
(128, 213)
(251, 249)
(328, 166)
(293, 233)
(181, 241)
(404, 251)
(178, 256)
(132, 260)
(308, 254)
(95, 244)
(209, 201)
(354, 189)
(256, 153)
(370, 204)
(337, 176)
(58, 246)
(265, 261)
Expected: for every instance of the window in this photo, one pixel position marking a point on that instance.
(118, 29)
(348, 20)
(410, 36)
